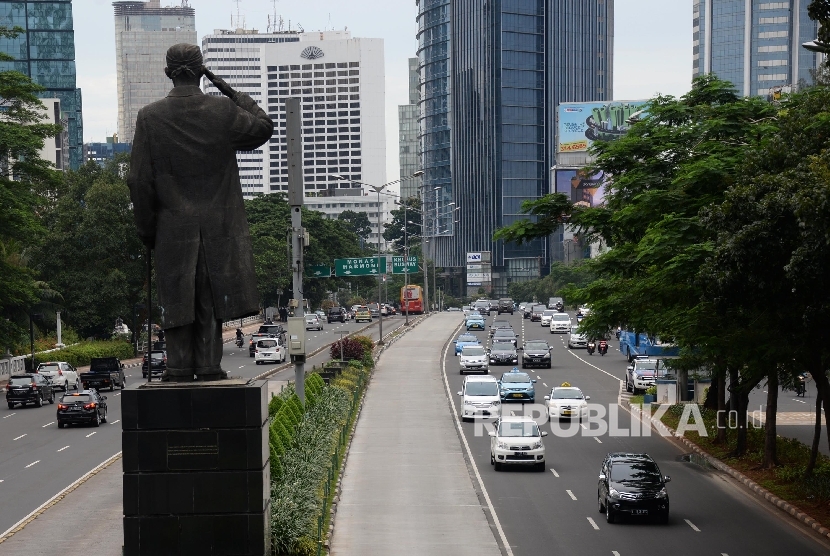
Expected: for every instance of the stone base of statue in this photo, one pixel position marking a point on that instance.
(196, 469)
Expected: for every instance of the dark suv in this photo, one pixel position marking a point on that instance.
(632, 485)
(29, 388)
(337, 314)
(158, 363)
(86, 406)
(505, 306)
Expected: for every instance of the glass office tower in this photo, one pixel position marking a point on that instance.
(492, 76)
(755, 44)
(46, 53)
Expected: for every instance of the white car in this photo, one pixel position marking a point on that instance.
(577, 339)
(313, 321)
(546, 316)
(473, 358)
(480, 398)
(269, 349)
(517, 441)
(560, 322)
(567, 402)
(61, 374)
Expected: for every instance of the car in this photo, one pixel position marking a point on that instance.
(536, 312)
(158, 363)
(505, 305)
(560, 322)
(525, 309)
(505, 335)
(577, 339)
(313, 321)
(30, 388)
(497, 324)
(567, 402)
(362, 314)
(320, 315)
(517, 441)
(86, 406)
(473, 358)
(269, 349)
(254, 338)
(453, 309)
(503, 353)
(271, 328)
(474, 321)
(517, 386)
(61, 374)
(546, 316)
(104, 372)
(632, 485)
(536, 353)
(556, 303)
(641, 374)
(480, 397)
(483, 306)
(336, 314)
(374, 309)
(465, 340)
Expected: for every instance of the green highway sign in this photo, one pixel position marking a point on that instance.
(365, 266)
(318, 271)
(398, 266)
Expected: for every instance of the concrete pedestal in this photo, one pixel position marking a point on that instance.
(196, 471)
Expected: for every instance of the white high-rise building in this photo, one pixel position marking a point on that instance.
(340, 81)
(143, 33)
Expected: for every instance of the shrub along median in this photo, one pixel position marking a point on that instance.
(79, 355)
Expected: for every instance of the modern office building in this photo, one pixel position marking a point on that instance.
(56, 149)
(491, 81)
(755, 44)
(101, 153)
(143, 33)
(340, 81)
(45, 51)
(409, 147)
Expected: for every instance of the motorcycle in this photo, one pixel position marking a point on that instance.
(240, 342)
(619, 332)
(591, 347)
(801, 385)
(560, 307)
(603, 347)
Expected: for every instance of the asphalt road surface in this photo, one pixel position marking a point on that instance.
(555, 512)
(38, 460)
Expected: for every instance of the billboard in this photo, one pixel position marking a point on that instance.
(582, 123)
(582, 188)
(473, 257)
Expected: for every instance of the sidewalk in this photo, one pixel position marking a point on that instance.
(406, 489)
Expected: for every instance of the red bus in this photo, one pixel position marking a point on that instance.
(412, 300)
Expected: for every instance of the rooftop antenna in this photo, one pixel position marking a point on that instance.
(300, 27)
(329, 27)
(281, 24)
(240, 22)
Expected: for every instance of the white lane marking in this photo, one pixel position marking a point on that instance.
(116, 421)
(537, 376)
(9, 415)
(118, 394)
(21, 436)
(615, 553)
(591, 364)
(555, 474)
(33, 463)
(598, 440)
(692, 525)
(571, 494)
(47, 424)
(583, 426)
(545, 385)
(799, 401)
(593, 524)
(90, 434)
(62, 449)
(241, 366)
(512, 413)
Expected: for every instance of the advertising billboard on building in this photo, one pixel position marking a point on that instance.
(582, 123)
(582, 188)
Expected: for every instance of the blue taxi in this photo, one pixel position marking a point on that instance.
(517, 386)
(475, 322)
(465, 340)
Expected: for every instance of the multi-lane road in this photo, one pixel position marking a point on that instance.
(556, 512)
(38, 460)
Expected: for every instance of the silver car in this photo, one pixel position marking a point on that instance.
(577, 339)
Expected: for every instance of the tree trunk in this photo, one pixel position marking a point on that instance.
(823, 388)
(770, 437)
(733, 389)
(721, 438)
(816, 438)
(683, 384)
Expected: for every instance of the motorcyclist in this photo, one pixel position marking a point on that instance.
(239, 337)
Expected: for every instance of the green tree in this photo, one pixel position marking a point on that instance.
(394, 232)
(819, 10)
(358, 223)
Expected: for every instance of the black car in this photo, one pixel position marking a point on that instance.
(337, 314)
(505, 335)
(536, 312)
(632, 485)
(505, 306)
(536, 353)
(503, 353)
(158, 363)
(497, 324)
(87, 407)
(29, 388)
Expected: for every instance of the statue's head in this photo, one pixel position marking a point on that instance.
(184, 60)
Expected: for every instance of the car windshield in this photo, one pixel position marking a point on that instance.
(505, 333)
(550, 313)
(567, 394)
(646, 366)
(562, 317)
(624, 471)
(536, 346)
(266, 343)
(20, 381)
(157, 355)
(48, 368)
(503, 346)
(575, 330)
(472, 350)
(83, 398)
(482, 389)
(523, 428)
(467, 338)
(515, 377)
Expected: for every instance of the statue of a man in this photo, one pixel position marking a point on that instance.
(187, 201)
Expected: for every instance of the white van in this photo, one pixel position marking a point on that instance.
(480, 397)
(560, 322)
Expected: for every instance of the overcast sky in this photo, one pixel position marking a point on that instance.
(652, 47)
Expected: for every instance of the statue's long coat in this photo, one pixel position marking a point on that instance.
(184, 185)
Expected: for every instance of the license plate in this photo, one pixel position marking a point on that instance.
(639, 512)
(517, 395)
(519, 453)
(267, 354)
(567, 412)
(536, 360)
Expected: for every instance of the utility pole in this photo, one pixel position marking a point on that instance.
(405, 264)
(296, 328)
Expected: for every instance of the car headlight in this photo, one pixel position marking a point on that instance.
(546, 356)
(662, 493)
(613, 493)
(497, 402)
(501, 445)
(536, 445)
(492, 360)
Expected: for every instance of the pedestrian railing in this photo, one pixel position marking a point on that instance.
(10, 366)
(239, 323)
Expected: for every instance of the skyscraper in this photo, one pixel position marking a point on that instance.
(46, 53)
(755, 44)
(143, 33)
(491, 79)
(409, 151)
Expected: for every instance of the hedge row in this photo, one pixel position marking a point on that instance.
(79, 355)
(355, 348)
(305, 451)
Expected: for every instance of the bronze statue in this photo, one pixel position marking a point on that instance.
(187, 201)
